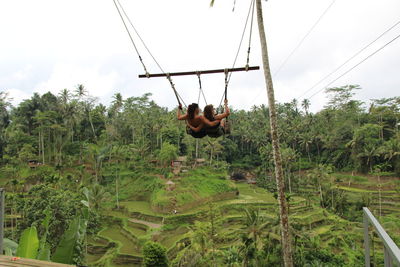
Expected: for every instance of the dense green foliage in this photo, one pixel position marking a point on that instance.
(154, 255)
(336, 161)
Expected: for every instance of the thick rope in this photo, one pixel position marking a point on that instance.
(252, 4)
(178, 97)
(226, 84)
(242, 38)
(130, 36)
(250, 35)
(201, 92)
(140, 38)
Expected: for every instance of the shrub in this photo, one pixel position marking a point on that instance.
(155, 255)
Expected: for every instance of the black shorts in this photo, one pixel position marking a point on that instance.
(194, 134)
(215, 131)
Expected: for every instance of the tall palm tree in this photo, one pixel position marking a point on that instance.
(306, 105)
(283, 206)
(80, 91)
(65, 96)
(98, 195)
(118, 101)
(214, 147)
(306, 141)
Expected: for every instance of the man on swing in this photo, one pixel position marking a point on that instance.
(210, 124)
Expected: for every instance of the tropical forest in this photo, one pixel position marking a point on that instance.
(99, 169)
(125, 185)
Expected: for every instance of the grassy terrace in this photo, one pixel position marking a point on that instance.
(316, 222)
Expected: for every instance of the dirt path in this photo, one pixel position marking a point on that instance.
(149, 224)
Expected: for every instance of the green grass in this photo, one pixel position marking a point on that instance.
(113, 233)
(170, 238)
(137, 229)
(193, 186)
(139, 206)
(354, 179)
(251, 192)
(336, 234)
(359, 190)
(138, 186)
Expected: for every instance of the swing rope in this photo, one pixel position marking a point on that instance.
(178, 97)
(201, 92)
(130, 36)
(250, 35)
(140, 37)
(229, 75)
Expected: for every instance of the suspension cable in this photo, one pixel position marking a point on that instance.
(358, 64)
(349, 59)
(304, 38)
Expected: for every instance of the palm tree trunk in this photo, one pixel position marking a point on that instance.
(42, 136)
(91, 125)
(283, 207)
(116, 189)
(39, 145)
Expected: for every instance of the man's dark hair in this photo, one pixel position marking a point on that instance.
(192, 109)
(209, 112)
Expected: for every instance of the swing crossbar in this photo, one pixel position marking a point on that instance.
(198, 72)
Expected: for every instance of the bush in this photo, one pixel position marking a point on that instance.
(155, 255)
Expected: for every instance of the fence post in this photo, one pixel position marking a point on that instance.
(366, 241)
(2, 204)
(388, 258)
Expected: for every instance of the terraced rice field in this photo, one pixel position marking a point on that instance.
(142, 223)
(127, 245)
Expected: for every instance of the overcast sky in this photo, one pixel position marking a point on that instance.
(49, 45)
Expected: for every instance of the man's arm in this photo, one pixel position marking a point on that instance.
(208, 123)
(195, 129)
(179, 115)
(225, 114)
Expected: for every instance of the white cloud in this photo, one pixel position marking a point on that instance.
(68, 76)
(16, 96)
(71, 42)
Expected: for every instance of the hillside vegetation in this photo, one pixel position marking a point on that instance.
(103, 175)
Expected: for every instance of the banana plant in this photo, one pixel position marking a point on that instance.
(10, 247)
(28, 243)
(74, 234)
(30, 247)
(44, 247)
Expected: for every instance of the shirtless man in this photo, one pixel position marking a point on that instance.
(194, 119)
(210, 115)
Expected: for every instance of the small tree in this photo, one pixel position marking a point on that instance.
(155, 255)
(27, 153)
(167, 153)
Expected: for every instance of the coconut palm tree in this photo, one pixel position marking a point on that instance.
(283, 206)
(306, 105)
(280, 181)
(97, 196)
